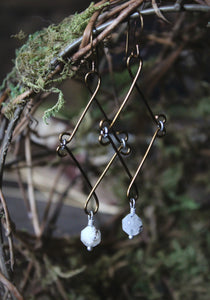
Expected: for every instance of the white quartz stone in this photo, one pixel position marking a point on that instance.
(132, 224)
(90, 236)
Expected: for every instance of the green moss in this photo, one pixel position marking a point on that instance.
(33, 58)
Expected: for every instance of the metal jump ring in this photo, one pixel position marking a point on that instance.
(161, 125)
(90, 215)
(123, 143)
(125, 150)
(61, 137)
(132, 203)
(161, 120)
(104, 132)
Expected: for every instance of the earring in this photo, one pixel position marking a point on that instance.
(90, 236)
(131, 223)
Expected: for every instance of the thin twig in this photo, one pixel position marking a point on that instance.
(3, 267)
(7, 139)
(26, 275)
(4, 123)
(31, 195)
(50, 198)
(20, 99)
(124, 14)
(4, 96)
(8, 228)
(25, 120)
(13, 290)
(19, 177)
(22, 190)
(6, 294)
(59, 204)
(61, 289)
(4, 149)
(161, 69)
(89, 28)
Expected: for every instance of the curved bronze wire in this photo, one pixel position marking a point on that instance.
(132, 55)
(130, 90)
(102, 176)
(92, 72)
(128, 34)
(161, 119)
(137, 55)
(59, 150)
(142, 96)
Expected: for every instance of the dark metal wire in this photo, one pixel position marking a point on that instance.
(61, 149)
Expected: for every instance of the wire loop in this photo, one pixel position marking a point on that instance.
(161, 120)
(125, 147)
(104, 132)
(135, 51)
(132, 203)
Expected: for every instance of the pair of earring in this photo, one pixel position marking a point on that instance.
(131, 223)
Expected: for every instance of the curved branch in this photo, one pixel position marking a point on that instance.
(13, 290)
(8, 137)
(106, 28)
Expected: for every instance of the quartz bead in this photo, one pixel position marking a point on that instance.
(131, 223)
(90, 235)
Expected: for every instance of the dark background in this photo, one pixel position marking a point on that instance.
(29, 16)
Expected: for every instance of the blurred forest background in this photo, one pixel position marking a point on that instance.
(170, 258)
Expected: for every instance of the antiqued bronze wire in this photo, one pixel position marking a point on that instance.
(91, 73)
(160, 131)
(130, 89)
(143, 98)
(133, 35)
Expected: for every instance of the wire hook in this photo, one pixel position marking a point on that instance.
(94, 52)
(135, 50)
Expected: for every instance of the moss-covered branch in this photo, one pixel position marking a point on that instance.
(32, 61)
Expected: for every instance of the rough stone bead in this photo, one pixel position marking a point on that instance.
(90, 236)
(132, 225)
